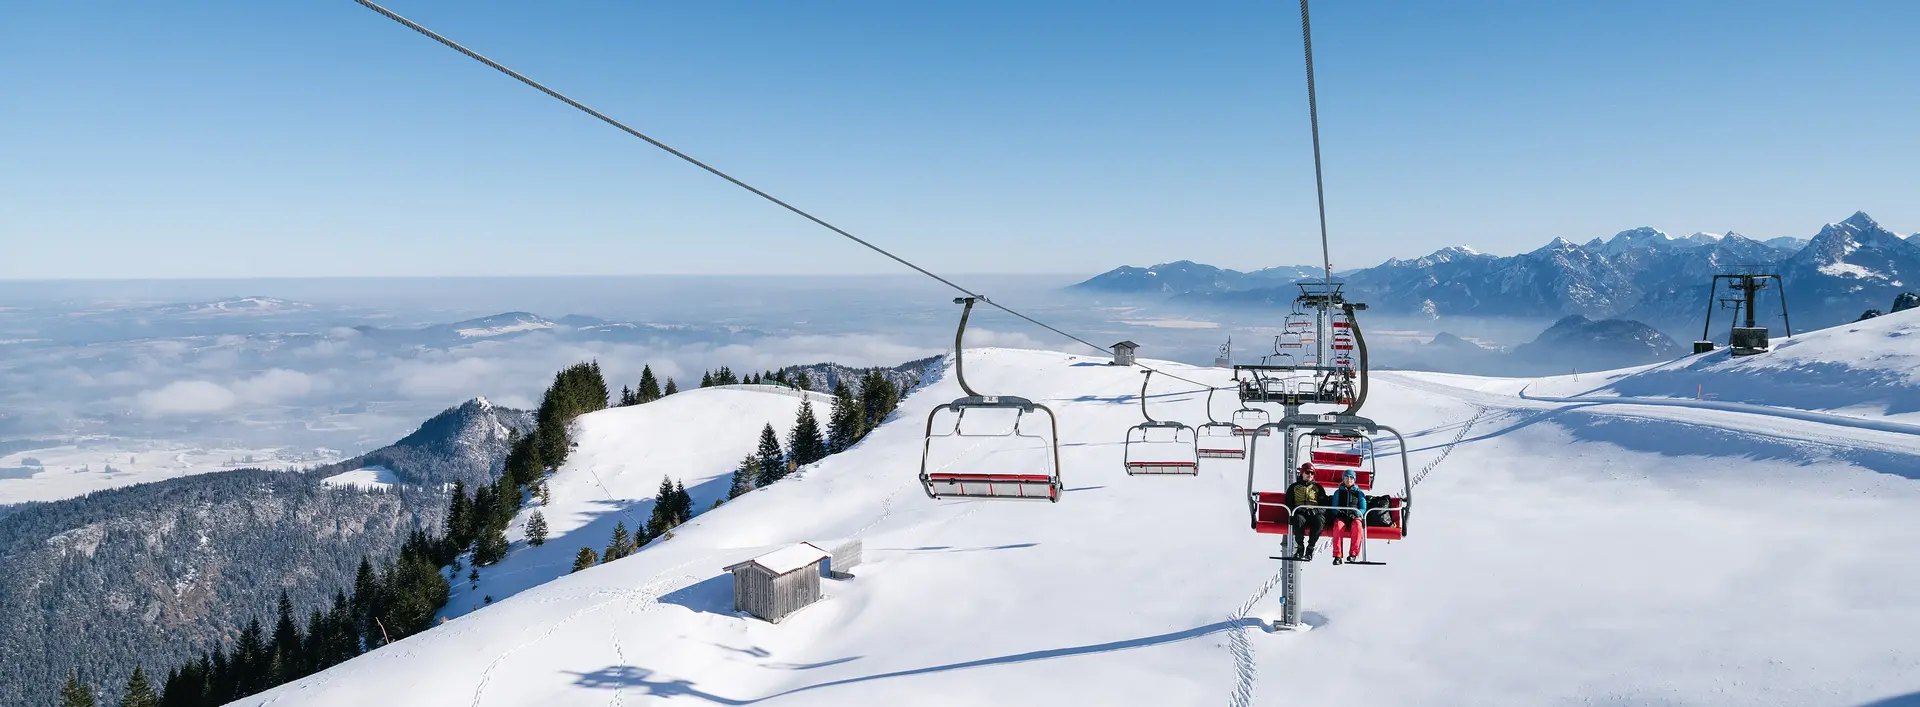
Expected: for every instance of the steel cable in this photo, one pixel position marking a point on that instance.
(556, 95)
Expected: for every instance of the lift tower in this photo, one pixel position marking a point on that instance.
(1752, 338)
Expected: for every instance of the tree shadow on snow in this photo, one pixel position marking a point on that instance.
(1909, 700)
(623, 677)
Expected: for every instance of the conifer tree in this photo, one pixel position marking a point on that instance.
(620, 545)
(585, 559)
(671, 388)
(492, 549)
(706, 379)
(803, 381)
(878, 398)
(682, 503)
(744, 476)
(366, 591)
(649, 386)
(536, 529)
(76, 694)
(313, 645)
(460, 517)
(843, 420)
(772, 461)
(343, 640)
(804, 442)
(663, 501)
(286, 648)
(626, 397)
(251, 662)
(139, 692)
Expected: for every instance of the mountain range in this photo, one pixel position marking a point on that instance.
(1572, 343)
(1641, 273)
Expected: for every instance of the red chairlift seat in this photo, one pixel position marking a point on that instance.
(1162, 467)
(1271, 517)
(1038, 486)
(1221, 453)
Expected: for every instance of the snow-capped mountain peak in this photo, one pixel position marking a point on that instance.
(1558, 244)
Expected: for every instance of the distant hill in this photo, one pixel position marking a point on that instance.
(155, 573)
(1187, 277)
(466, 443)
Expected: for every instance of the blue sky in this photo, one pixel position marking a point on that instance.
(229, 139)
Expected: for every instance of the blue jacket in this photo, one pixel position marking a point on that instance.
(1350, 497)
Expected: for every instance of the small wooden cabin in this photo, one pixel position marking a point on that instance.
(781, 582)
(1123, 353)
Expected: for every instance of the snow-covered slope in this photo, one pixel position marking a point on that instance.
(696, 437)
(368, 477)
(1868, 369)
(1560, 554)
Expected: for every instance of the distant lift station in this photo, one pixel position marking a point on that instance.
(1752, 338)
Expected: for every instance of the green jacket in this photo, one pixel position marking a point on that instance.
(1306, 493)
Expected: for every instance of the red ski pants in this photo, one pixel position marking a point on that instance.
(1346, 529)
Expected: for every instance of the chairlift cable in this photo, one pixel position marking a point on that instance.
(1313, 118)
(556, 95)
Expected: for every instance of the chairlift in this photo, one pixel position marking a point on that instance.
(998, 485)
(1320, 436)
(1160, 446)
(1251, 422)
(1218, 440)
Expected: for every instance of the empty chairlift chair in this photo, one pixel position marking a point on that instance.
(1251, 422)
(1160, 446)
(1334, 444)
(1038, 484)
(1216, 439)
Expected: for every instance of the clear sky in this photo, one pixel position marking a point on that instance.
(228, 138)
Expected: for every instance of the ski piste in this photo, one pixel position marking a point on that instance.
(1558, 561)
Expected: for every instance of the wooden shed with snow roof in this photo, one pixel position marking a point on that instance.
(778, 583)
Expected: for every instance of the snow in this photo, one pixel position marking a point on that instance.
(695, 436)
(86, 465)
(789, 558)
(367, 478)
(497, 330)
(1848, 270)
(1560, 553)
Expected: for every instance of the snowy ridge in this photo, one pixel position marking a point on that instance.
(1148, 591)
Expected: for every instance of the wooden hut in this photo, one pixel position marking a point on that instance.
(778, 583)
(1123, 353)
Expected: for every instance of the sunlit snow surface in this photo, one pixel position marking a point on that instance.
(371, 477)
(1563, 553)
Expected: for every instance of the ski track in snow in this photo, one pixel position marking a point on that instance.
(1246, 674)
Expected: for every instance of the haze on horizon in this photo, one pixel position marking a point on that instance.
(318, 139)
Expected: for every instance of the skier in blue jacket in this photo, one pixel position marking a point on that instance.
(1350, 508)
